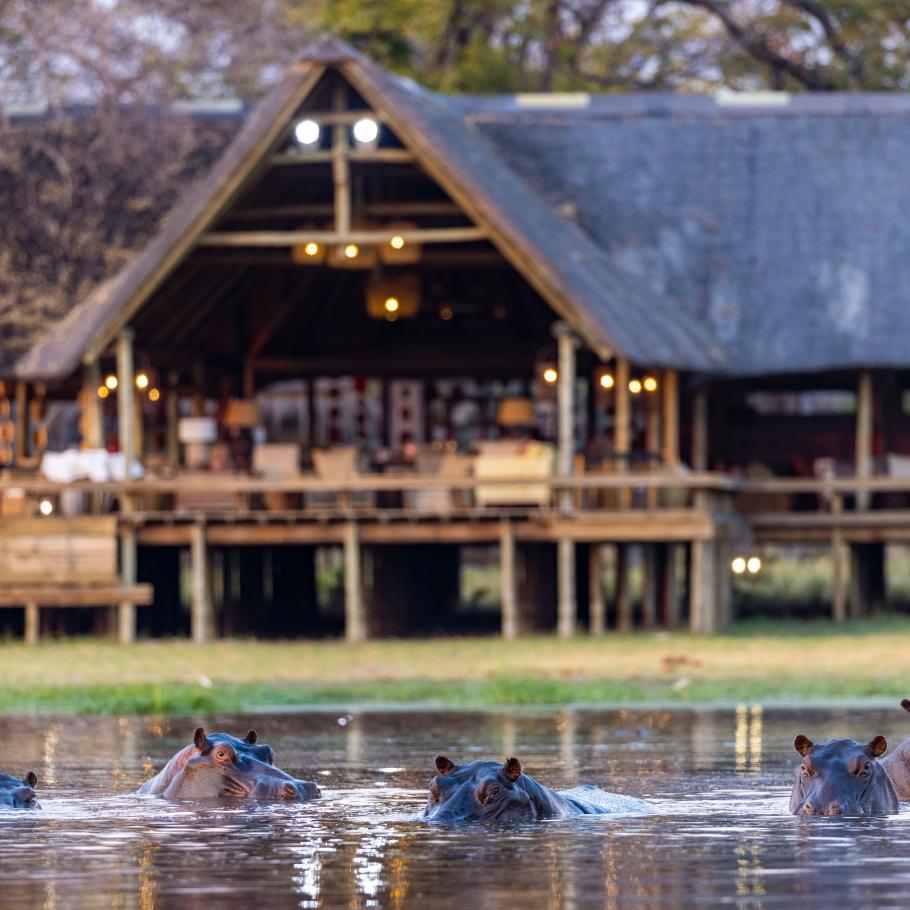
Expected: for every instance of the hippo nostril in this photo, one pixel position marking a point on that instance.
(835, 809)
(808, 809)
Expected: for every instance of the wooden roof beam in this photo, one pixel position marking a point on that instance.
(323, 156)
(293, 238)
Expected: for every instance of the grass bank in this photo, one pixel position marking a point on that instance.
(756, 661)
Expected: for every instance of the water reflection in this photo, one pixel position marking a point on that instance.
(720, 780)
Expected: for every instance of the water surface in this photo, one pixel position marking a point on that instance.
(719, 780)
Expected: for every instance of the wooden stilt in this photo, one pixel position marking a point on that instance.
(567, 607)
(92, 412)
(32, 623)
(126, 611)
(703, 594)
(202, 619)
(623, 593)
(651, 585)
(597, 612)
(172, 406)
(507, 580)
(355, 621)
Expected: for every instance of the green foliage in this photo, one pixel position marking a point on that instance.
(156, 49)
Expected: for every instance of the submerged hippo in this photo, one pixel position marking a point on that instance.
(246, 746)
(220, 770)
(487, 791)
(18, 794)
(842, 777)
(897, 764)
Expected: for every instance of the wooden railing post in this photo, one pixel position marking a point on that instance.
(202, 618)
(355, 620)
(508, 581)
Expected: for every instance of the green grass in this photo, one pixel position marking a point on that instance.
(756, 660)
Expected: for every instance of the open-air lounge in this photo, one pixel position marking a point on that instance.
(387, 328)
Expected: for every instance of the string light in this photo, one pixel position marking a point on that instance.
(103, 391)
(311, 249)
(649, 383)
(446, 313)
(738, 565)
(142, 381)
(110, 381)
(307, 132)
(366, 131)
(351, 251)
(634, 386)
(391, 305)
(46, 507)
(753, 564)
(154, 394)
(550, 375)
(607, 381)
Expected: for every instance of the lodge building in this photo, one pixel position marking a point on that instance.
(388, 327)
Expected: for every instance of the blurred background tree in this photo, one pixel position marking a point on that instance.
(68, 51)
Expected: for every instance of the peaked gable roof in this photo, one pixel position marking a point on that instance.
(613, 309)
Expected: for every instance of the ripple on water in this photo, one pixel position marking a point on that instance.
(720, 833)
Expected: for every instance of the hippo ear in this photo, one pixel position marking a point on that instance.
(802, 744)
(444, 765)
(876, 747)
(31, 779)
(905, 704)
(512, 769)
(200, 740)
(251, 737)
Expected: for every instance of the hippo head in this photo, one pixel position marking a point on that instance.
(249, 745)
(481, 791)
(18, 794)
(842, 777)
(221, 770)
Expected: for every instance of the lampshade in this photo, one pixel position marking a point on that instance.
(242, 414)
(397, 250)
(393, 297)
(515, 412)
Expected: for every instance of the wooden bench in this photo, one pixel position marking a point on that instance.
(62, 562)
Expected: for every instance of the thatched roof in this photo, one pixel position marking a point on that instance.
(677, 231)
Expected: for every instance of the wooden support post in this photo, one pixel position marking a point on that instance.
(172, 407)
(32, 623)
(21, 422)
(92, 411)
(355, 620)
(623, 592)
(669, 398)
(508, 581)
(341, 175)
(202, 614)
(652, 443)
(126, 611)
(700, 430)
(622, 430)
(126, 399)
(566, 604)
(839, 557)
(567, 609)
(864, 428)
(597, 607)
(650, 585)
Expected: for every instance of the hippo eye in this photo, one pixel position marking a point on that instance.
(489, 793)
(866, 768)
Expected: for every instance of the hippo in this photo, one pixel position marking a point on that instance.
(842, 777)
(220, 770)
(246, 746)
(897, 764)
(486, 791)
(18, 794)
